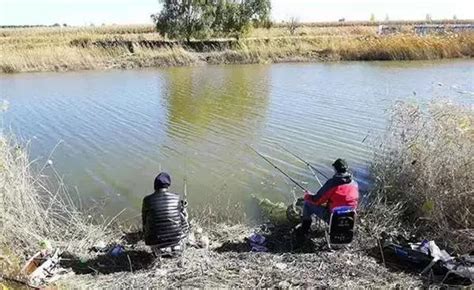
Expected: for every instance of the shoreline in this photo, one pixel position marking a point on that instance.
(49, 49)
(228, 262)
(203, 64)
(202, 59)
(36, 212)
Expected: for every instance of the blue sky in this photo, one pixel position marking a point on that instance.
(80, 12)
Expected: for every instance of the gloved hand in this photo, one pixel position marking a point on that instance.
(307, 195)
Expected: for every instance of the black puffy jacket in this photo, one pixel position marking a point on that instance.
(164, 224)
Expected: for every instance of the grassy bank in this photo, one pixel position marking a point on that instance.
(32, 211)
(70, 48)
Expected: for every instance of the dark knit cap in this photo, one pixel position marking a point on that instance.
(340, 165)
(163, 180)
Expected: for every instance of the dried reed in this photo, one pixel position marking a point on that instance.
(31, 211)
(425, 163)
(74, 48)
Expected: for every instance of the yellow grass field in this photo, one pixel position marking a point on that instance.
(75, 48)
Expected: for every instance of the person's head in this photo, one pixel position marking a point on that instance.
(340, 165)
(162, 180)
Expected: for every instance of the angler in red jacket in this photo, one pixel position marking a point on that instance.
(340, 190)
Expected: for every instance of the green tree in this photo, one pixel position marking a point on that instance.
(183, 19)
(228, 20)
(239, 16)
(200, 19)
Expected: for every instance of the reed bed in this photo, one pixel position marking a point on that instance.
(424, 164)
(400, 47)
(76, 48)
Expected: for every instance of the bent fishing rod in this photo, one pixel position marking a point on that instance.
(307, 164)
(277, 168)
(311, 167)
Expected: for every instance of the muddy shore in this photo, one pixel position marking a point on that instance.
(228, 262)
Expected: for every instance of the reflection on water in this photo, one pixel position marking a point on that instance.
(210, 117)
(119, 128)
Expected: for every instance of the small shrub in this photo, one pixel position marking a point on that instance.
(293, 24)
(425, 162)
(8, 69)
(81, 42)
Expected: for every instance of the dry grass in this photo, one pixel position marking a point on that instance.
(229, 263)
(72, 48)
(32, 212)
(403, 47)
(211, 269)
(425, 163)
(376, 23)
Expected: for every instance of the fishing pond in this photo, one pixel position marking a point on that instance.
(108, 133)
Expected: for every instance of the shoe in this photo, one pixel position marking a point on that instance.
(302, 231)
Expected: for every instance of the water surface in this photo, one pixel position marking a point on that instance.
(117, 129)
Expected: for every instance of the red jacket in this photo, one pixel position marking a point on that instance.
(340, 190)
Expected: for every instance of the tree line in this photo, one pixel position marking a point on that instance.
(200, 19)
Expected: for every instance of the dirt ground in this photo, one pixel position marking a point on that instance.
(228, 262)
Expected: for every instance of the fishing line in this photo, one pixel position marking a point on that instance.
(277, 168)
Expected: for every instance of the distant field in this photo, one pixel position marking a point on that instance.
(127, 46)
(376, 23)
(310, 24)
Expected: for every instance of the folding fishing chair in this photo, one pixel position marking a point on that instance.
(341, 226)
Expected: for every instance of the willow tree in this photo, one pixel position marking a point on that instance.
(235, 18)
(183, 19)
(197, 19)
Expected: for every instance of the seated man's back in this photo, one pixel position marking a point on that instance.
(162, 216)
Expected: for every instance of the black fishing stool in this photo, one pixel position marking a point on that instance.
(341, 227)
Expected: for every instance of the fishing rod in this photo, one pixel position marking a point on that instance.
(276, 167)
(311, 167)
(184, 204)
(185, 189)
(307, 164)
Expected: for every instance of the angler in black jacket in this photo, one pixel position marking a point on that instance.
(164, 216)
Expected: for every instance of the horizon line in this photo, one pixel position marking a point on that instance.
(57, 24)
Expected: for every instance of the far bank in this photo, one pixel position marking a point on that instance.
(71, 49)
